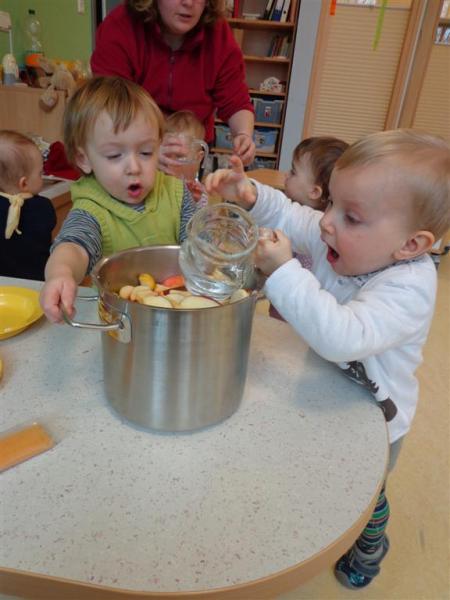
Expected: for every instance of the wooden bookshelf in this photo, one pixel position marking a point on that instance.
(257, 39)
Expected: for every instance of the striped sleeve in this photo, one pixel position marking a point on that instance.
(188, 208)
(81, 228)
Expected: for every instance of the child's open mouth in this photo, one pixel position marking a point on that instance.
(332, 255)
(134, 190)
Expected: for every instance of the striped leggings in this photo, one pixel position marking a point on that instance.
(371, 538)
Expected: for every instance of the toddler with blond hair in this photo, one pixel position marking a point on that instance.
(368, 303)
(112, 132)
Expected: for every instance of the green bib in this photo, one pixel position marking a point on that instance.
(122, 226)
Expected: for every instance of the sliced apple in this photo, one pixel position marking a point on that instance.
(157, 301)
(174, 281)
(198, 302)
(137, 290)
(239, 294)
(142, 294)
(160, 289)
(148, 280)
(174, 298)
(126, 291)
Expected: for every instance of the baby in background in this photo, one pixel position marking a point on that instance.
(26, 219)
(112, 132)
(368, 302)
(185, 123)
(307, 182)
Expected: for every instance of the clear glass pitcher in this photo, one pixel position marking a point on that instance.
(187, 153)
(216, 258)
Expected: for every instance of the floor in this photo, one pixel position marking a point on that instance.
(418, 564)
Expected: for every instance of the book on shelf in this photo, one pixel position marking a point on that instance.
(236, 9)
(277, 10)
(285, 11)
(279, 47)
(268, 10)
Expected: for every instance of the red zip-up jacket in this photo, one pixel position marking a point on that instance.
(205, 74)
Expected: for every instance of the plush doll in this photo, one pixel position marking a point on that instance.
(62, 80)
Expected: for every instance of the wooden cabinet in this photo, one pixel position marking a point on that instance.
(267, 47)
(20, 110)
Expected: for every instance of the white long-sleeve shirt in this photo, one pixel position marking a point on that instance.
(373, 326)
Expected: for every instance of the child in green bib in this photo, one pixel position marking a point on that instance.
(112, 132)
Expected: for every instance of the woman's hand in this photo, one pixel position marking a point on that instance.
(244, 147)
(232, 184)
(272, 254)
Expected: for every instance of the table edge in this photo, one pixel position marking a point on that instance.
(47, 587)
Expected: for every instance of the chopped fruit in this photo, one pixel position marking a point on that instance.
(174, 298)
(137, 290)
(142, 294)
(160, 289)
(175, 281)
(157, 301)
(148, 280)
(238, 295)
(126, 291)
(198, 302)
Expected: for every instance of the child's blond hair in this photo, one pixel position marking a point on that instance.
(121, 99)
(184, 121)
(423, 161)
(15, 158)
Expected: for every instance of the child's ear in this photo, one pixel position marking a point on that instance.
(82, 161)
(315, 192)
(23, 183)
(418, 244)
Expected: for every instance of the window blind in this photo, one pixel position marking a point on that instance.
(433, 109)
(355, 85)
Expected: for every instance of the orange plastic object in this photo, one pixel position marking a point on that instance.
(32, 59)
(175, 281)
(19, 445)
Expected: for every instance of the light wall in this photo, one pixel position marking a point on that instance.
(65, 33)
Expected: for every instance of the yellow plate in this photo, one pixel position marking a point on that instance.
(19, 308)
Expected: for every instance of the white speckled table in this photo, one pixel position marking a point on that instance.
(244, 509)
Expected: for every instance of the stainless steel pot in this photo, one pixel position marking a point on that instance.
(168, 369)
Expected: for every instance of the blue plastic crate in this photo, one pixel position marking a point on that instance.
(263, 163)
(224, 138)
(268, 111)
(265, 139)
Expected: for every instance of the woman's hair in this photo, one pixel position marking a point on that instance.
(184, 121)
(15, 158)
(121, 99)
(323, 152)
(214, 10)
(422, 163)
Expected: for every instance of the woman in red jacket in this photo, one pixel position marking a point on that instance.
(184, 54)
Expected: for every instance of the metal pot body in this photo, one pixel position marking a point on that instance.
(181, 369)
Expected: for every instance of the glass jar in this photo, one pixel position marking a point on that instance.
(216, 258)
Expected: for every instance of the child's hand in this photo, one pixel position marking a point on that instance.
(196, 188)
(58, 291)
(232, 184)
(270, 255)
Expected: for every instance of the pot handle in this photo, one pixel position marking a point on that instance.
(122, 327)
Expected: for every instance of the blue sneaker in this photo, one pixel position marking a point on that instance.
(356, 569)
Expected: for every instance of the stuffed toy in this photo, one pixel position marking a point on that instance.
(61, 80)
